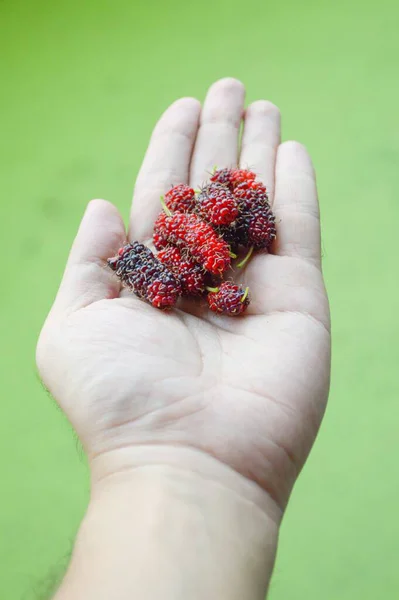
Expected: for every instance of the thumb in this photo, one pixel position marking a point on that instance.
(87, 278)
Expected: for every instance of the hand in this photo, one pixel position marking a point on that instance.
(249, 392)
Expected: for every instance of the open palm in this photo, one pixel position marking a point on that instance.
(248, 391)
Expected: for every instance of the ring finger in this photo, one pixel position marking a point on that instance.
(260, 140)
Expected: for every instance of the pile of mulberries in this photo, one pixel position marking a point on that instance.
(196, 237)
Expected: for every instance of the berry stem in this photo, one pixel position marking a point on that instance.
(213, 290)
(232, 255)
(244, 297)
(165, 208)
(246, 259)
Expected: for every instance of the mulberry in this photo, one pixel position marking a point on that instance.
(228, 299)
(256, 222)
(188, 231)
(145, 275)
(217, 205)
(189, 273)
(181, 198)
(233, 177)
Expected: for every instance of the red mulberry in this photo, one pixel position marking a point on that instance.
(233, 177)
(188, 231)
(181, 198)
(145, 275)
(246, 188)
(216, 204)
(228, 299)
(189, 273)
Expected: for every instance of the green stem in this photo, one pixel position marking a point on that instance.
(213, 290)
(245, 294)
(165, 208)
(246, 259)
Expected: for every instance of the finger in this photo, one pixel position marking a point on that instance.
(166, 163)
(87, 278)
(296, 205)
(217, 139)
(260, 141)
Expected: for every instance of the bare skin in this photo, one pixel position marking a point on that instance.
(143, 387)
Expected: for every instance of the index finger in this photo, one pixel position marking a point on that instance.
(166, 163)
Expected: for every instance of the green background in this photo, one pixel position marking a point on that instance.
(82, 83)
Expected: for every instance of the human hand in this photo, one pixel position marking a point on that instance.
(249, 392)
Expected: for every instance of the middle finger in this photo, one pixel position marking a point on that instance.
(217, 139)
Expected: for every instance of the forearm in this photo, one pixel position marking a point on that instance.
(173, 533)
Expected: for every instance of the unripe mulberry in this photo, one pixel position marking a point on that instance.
(216, 204)
(181, 198)
(189, 273)
(228, 299)
(145, 275)
(188, 231)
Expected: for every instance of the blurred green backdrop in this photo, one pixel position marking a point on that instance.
(82, 85)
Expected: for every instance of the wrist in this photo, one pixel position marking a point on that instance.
(173, 531)
(120, 466)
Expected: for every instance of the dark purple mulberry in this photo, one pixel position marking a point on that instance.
(145, 275)
(256, 222)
